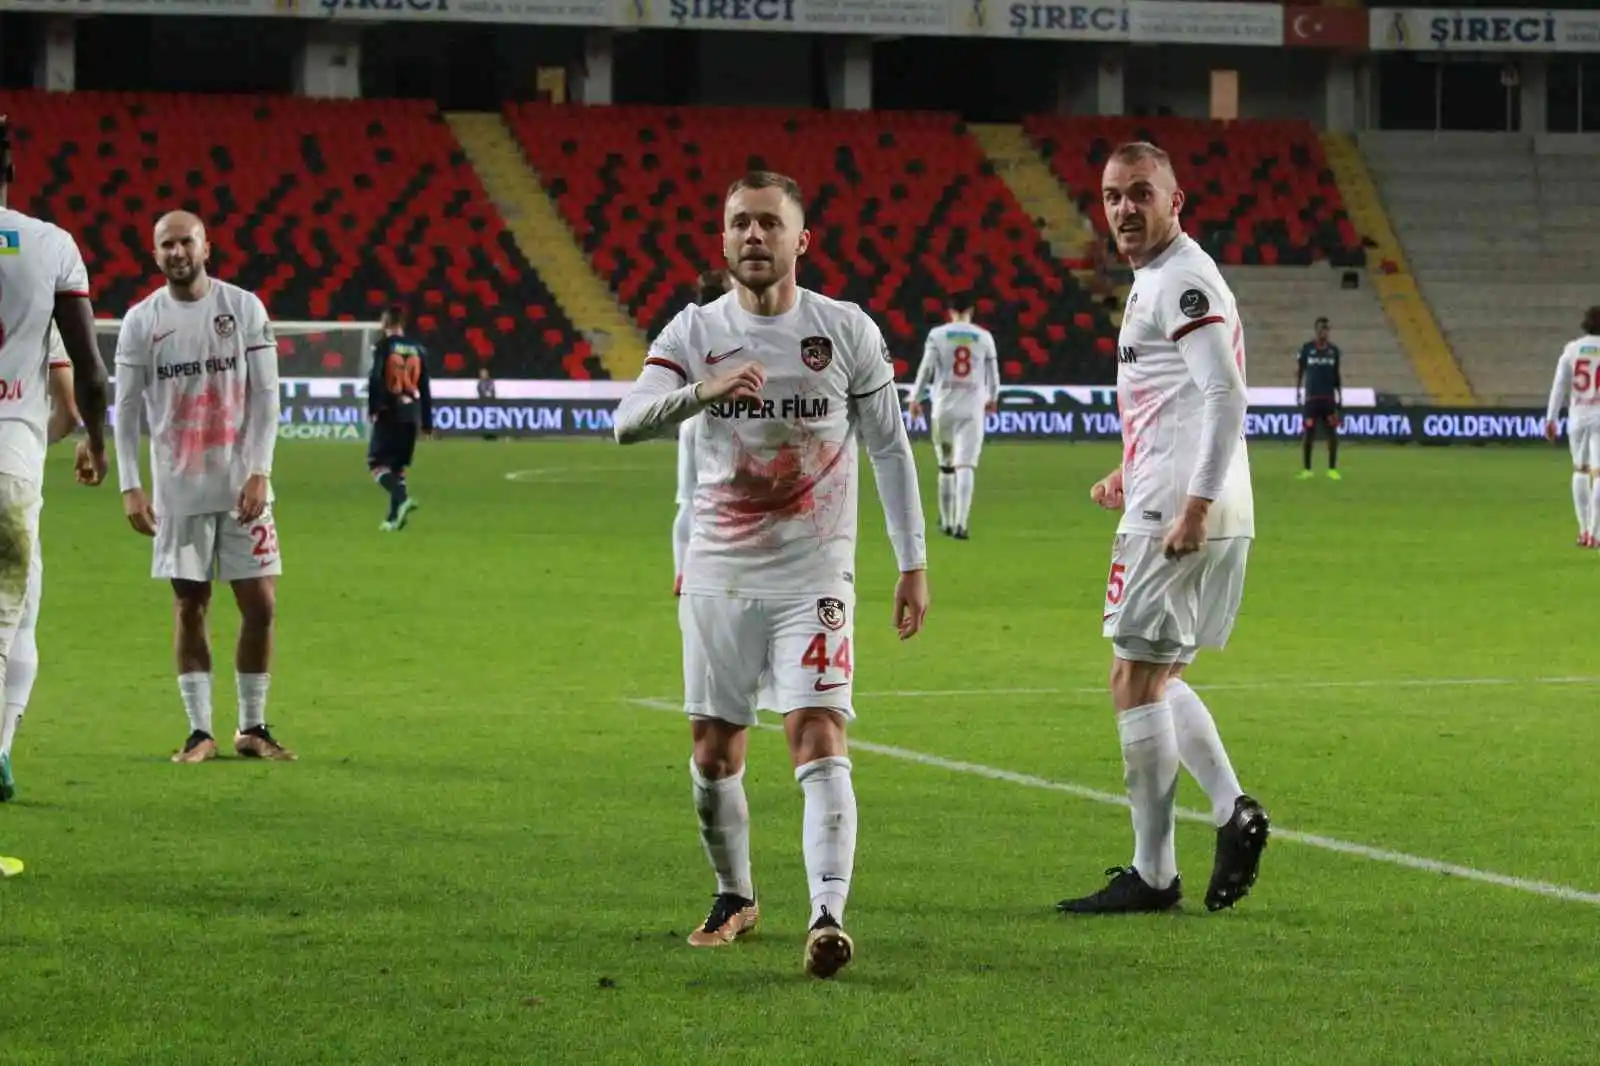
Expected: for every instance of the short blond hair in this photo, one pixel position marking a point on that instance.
(768, 179)
(1138, 152)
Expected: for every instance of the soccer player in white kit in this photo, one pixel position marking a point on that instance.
(22, 665)
(1577, 388)
(1178, 563)
(784, 379)
(959, 361)
(42, 281)
(198, 357)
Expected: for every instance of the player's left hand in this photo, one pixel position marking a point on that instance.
(991, 407)
(89, 464)
(1188, 533)
(910, 602)
(1551, 432)
(914, 409)
(252, 498)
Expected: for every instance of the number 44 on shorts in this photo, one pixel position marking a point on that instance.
(816, 658)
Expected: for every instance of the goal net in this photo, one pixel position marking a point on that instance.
(340, 350)
(322, 374)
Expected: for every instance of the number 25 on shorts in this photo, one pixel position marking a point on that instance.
(265, 539)
(816, 658)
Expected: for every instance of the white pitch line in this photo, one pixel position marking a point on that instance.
(1287, 684)
(1314, 840)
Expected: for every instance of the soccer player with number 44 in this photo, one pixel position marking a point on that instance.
(198, 358)
(1188, 517)
(783, 380)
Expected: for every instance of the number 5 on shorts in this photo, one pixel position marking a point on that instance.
(1115, 584)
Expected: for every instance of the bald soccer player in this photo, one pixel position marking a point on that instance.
(197, 357)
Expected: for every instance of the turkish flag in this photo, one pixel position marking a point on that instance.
(1324, 27)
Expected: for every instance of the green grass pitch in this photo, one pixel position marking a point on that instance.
(487, 852)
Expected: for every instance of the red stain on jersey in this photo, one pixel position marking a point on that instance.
(200, 423)
(782, 488)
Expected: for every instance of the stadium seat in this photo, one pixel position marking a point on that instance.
(1259, 192)
(904, 209)
(327, 209)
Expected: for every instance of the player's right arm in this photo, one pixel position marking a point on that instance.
(664, 395)
(930, 357)
(377, 380)
(1560, 393)
(74, 317)
(135, 360)
(1300, 377)
(991, 373)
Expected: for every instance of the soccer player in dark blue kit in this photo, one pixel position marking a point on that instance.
(400, 406)
(1321, 395)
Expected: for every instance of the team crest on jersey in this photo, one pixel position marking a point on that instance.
(1193, 303)
(830, 612)
(224, 325)
(816, 352)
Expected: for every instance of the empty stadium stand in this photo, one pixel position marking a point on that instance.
(328, 209)
(1499, 230)
(903, 209)
(1279, 306)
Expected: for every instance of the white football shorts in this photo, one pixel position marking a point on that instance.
(777, 654)
(1584, 440)
(1162, 610)
(216, 547)
(20, 505)
(957, 441)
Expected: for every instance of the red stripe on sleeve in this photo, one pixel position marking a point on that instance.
(1189, 327)
(73, 292)
(656, 360)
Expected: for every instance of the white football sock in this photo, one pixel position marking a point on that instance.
(8, 727)
(1200, 749)
(20, 670)
(1582, 500)
(1150, 770)
(1593, 527)
(725, 829)
(829, 838)
(252, 689)
(947, 499)
(965, 476)
(196, 691)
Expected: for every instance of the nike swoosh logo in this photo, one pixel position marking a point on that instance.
(713, 360)
(831, 877)
(157, 338)
(828, 686)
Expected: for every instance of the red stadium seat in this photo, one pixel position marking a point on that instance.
(328, 209)
(903, 208)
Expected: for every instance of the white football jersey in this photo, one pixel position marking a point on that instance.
(194, 354)
(776, 477)
(1577, 383)
(38, 261)
(1179, 291)
(961, 364)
